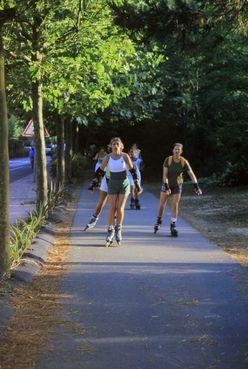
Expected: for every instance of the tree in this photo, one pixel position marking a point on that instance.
(6, 14)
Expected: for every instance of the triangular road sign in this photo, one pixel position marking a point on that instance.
(29, 130)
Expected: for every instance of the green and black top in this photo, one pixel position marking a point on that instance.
(176, 170)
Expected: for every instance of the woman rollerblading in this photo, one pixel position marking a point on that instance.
(118, 163)
(173, 169)
(137, 162)
(102, 201)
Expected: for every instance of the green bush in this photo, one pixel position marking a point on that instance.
(235, 174)
(79, 164)
(24, 231)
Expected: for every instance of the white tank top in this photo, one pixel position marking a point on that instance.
(117, 165)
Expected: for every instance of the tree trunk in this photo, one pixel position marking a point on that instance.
(60, 152)
(40, 150)
(68, 150)
(4, 171)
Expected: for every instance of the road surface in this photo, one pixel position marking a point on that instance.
(22, 188)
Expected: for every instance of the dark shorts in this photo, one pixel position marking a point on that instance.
(118, 187)
(175, 190)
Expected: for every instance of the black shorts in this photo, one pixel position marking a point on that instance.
(174, 190)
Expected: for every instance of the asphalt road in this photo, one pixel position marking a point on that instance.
(156, 302)
(22, 188)
(19, 168)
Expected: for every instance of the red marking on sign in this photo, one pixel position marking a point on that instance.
(29, 130)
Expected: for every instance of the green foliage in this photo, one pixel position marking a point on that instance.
(80, 163)
(204, 80)
(24, 231)
(168, 69)
(15, 127)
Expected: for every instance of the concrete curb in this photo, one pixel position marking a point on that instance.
(34, 258)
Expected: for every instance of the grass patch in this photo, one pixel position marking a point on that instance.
(23, 232)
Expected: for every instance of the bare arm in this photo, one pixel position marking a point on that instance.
(165, 174)
(165, 186)
(194, 180)
(192, 176)
(128, 161)
(104, 162)
(96, 156)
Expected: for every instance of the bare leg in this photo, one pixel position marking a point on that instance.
(120, 208)
(175, 205)
(112, 208)
(101, 203)
(162, 204)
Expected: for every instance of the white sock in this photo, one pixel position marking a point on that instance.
(173, 220)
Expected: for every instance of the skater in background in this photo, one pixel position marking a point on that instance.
(31, 157)
(173, 168)
(103, 190)
(99, 157)
(101, 203)
(137, 162)
(118, 163)
(137, 150)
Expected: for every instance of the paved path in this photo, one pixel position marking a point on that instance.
(155, 303)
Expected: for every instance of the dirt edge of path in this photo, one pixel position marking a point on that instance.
(35, 305)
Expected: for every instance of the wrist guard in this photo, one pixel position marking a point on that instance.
(165, 187)
(196, 187)
(94, 183)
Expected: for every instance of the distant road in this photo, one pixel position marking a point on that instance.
(19, 168)
(22, 188)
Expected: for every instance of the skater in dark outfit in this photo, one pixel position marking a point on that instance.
(173, 169)
(137, 163)
(118, 163)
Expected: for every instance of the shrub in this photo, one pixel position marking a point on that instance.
(79, 164)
